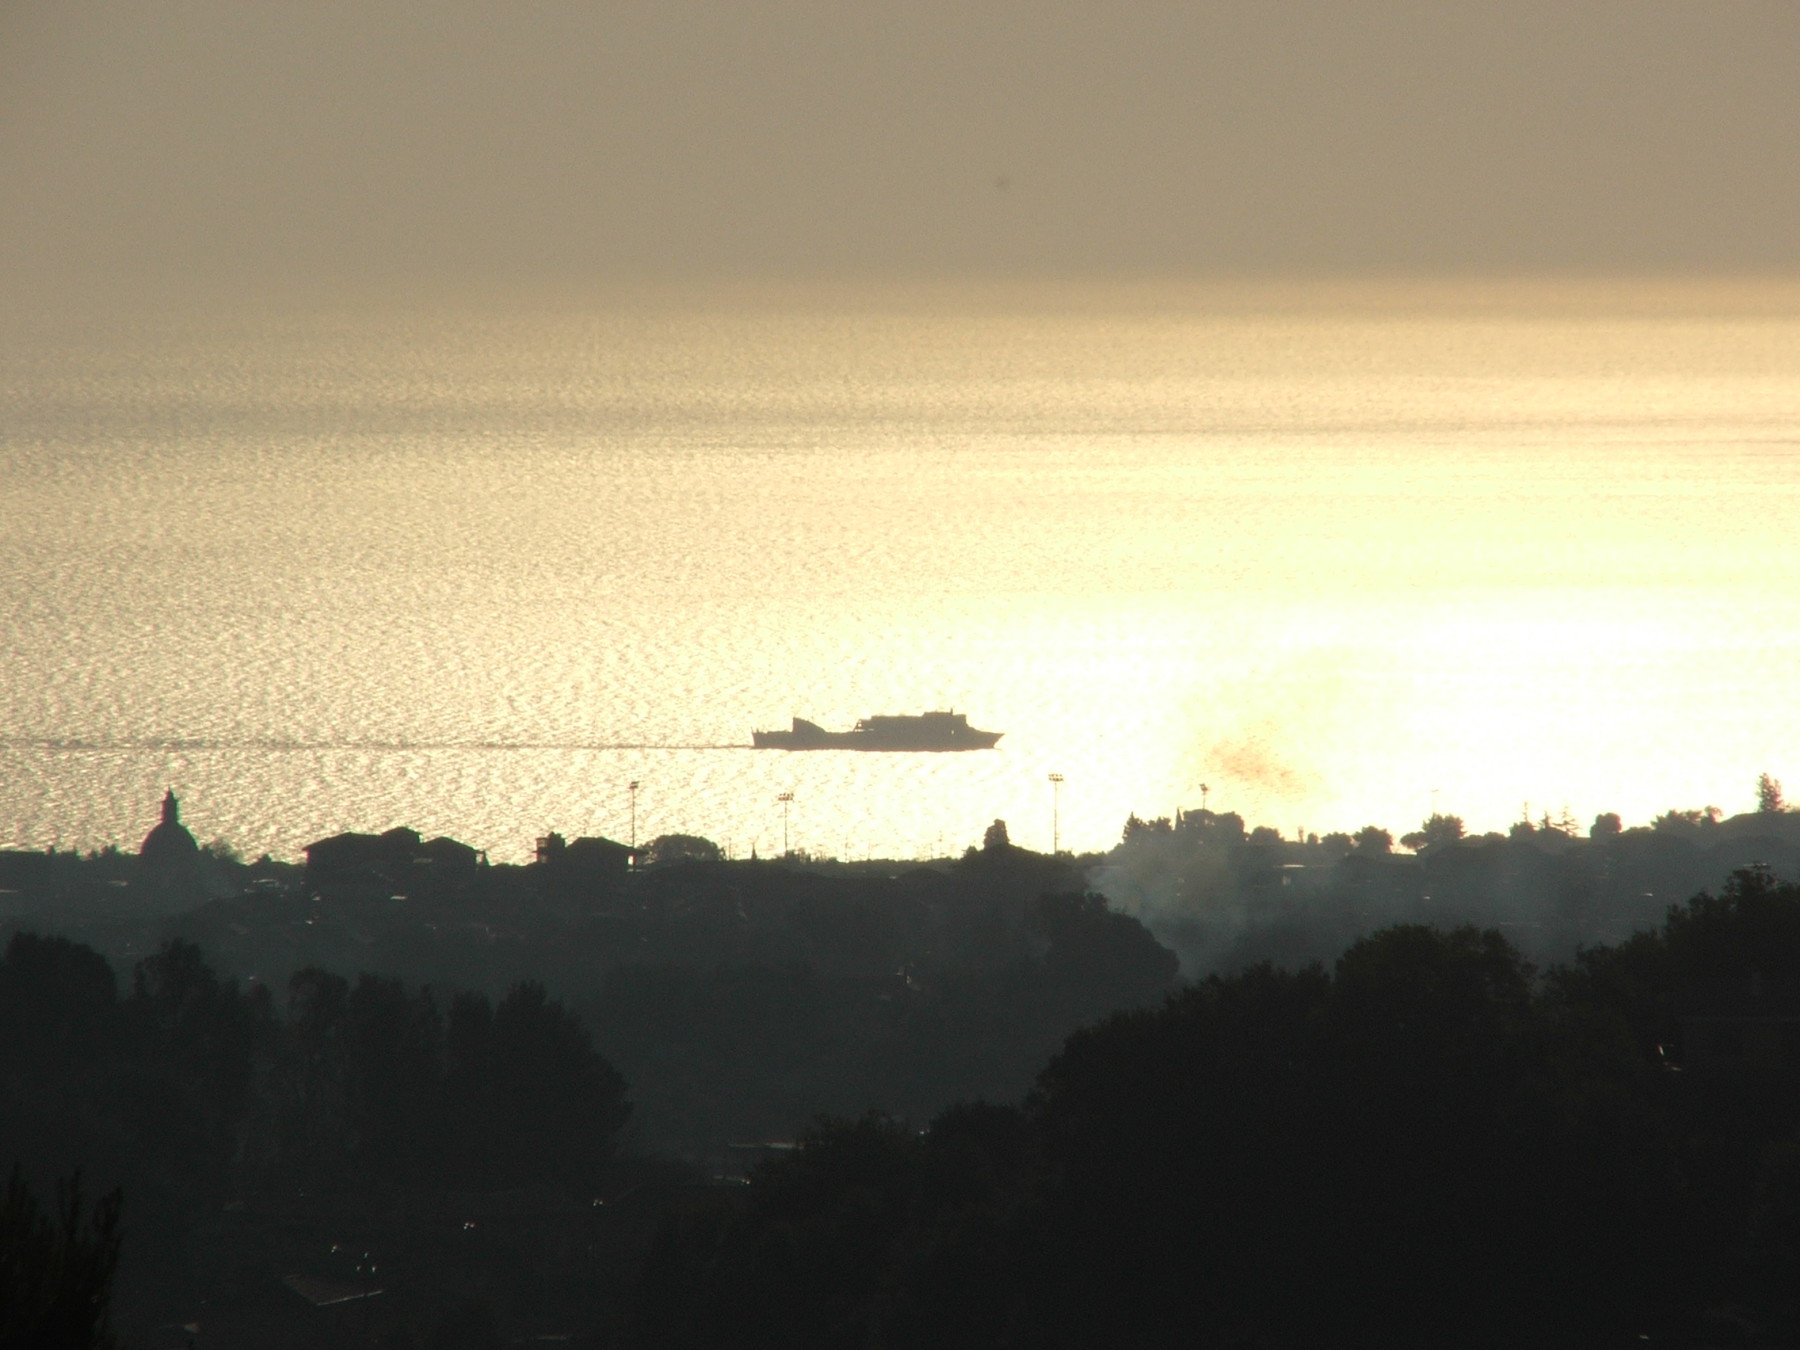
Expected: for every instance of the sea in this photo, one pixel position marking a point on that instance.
(1325, 553)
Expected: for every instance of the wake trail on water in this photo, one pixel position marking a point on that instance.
(66, 744)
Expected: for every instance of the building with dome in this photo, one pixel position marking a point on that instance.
(169, 853)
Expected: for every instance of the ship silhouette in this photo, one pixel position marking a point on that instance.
(926, 731)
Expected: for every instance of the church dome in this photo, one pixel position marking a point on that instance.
(169, 847)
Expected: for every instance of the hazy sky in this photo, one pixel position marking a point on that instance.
(348, 140)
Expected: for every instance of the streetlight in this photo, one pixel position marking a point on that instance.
(632, 787)
(787, 800)
(1056, 782)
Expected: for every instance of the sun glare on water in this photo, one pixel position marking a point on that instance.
(1337, 558)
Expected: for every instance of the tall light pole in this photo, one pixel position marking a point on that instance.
(787, 800)
(632, 788)
(1056, 782)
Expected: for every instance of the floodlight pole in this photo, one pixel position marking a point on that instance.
(632, 788)
(1056, 782)
(787, 800)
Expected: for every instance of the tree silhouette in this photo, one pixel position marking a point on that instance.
(1437, 831)
(528, 1097)
(681, 848)
(201, 1032)
(56, 1272)
(58, 1005)
(1110, 957)
(392, 1071)
(1768, 794)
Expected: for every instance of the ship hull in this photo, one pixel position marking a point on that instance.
(931, 733)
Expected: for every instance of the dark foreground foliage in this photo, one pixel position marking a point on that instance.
(739, 999)
(1425, 1146)
(446, 1132)
(56, 1269)
(366, 1135)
